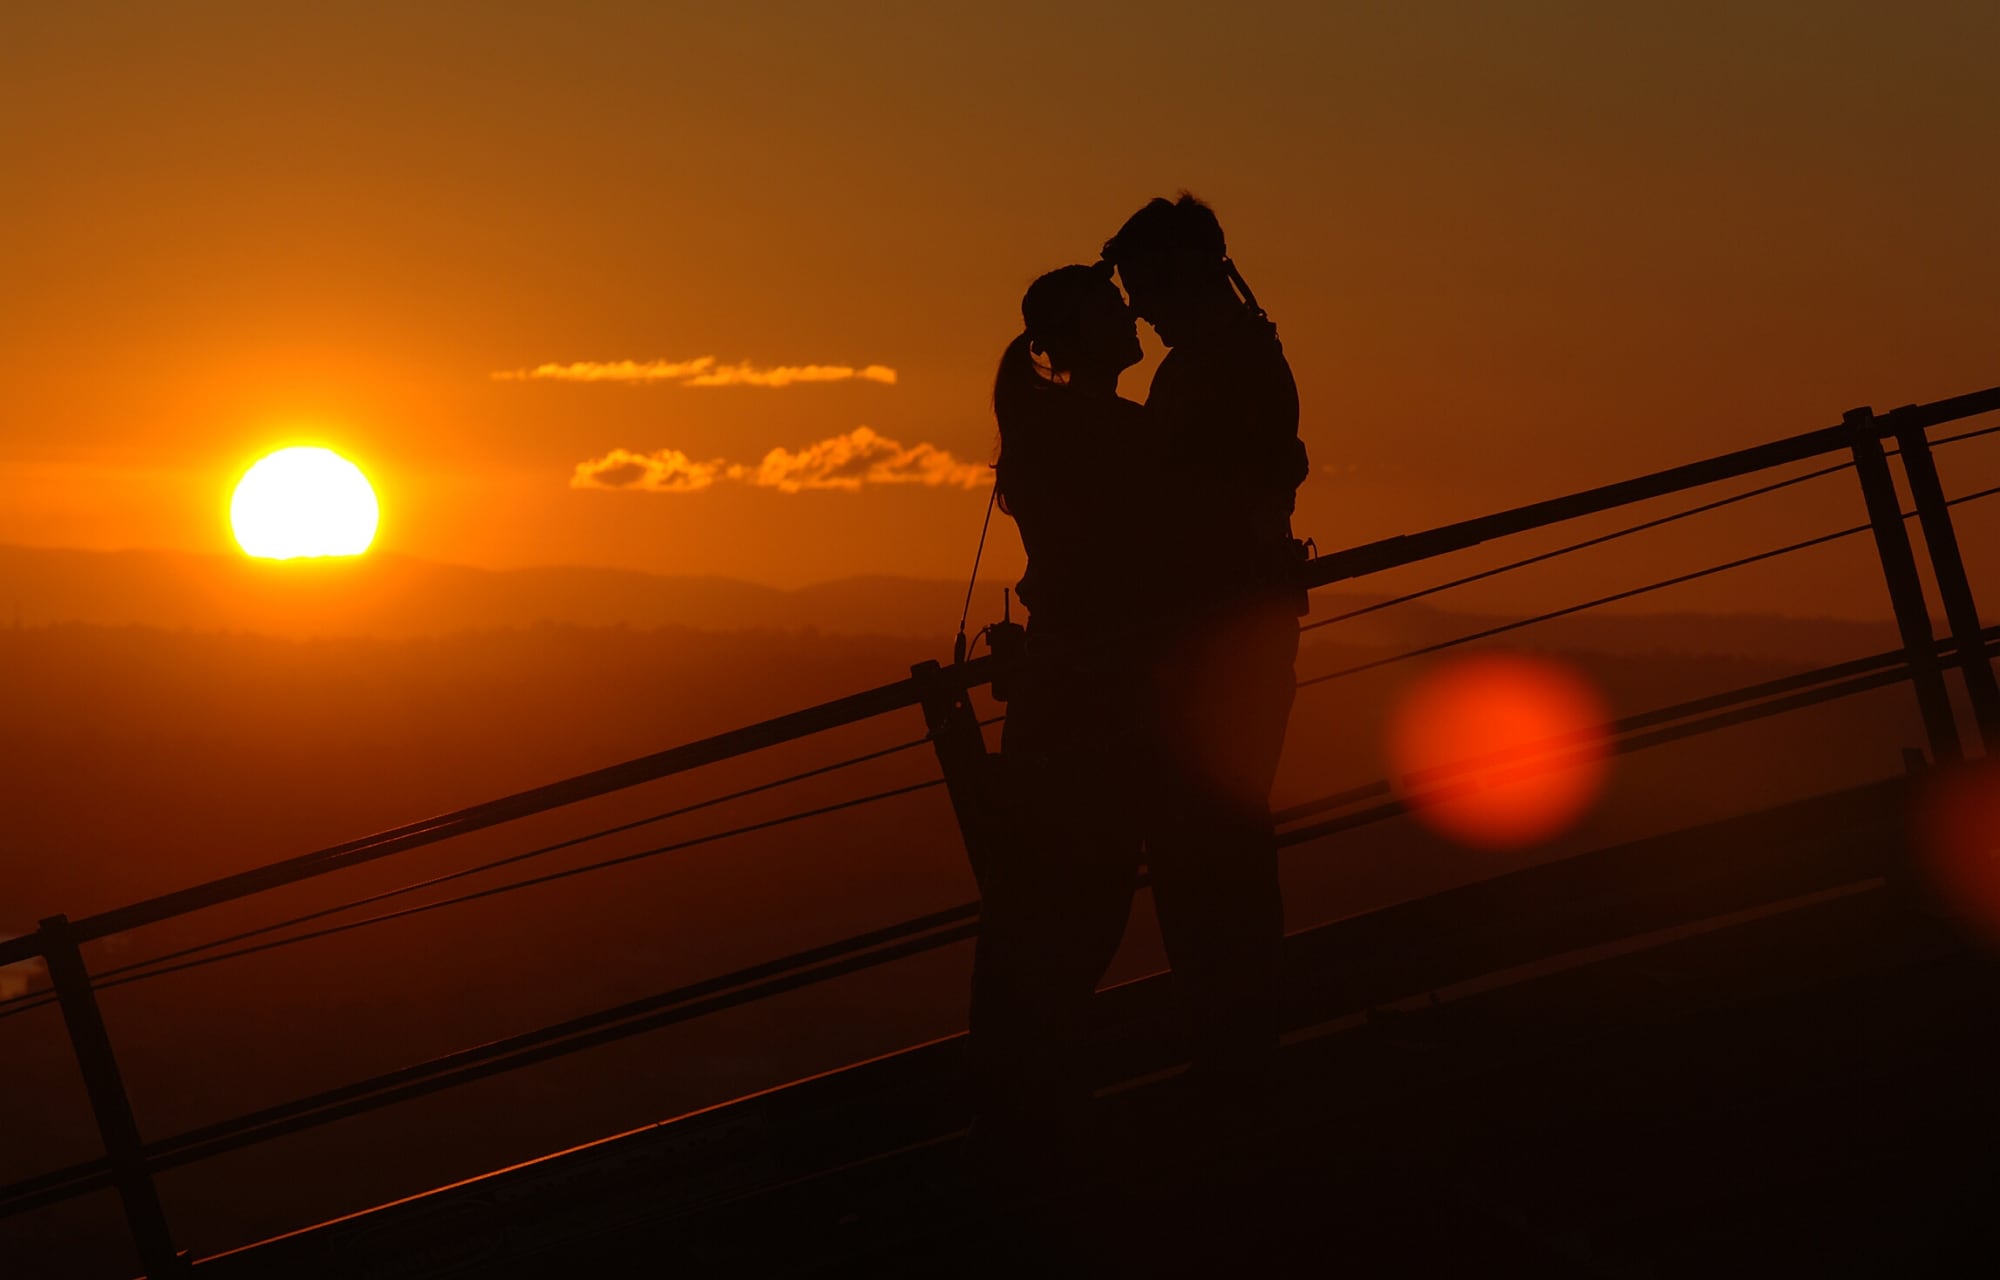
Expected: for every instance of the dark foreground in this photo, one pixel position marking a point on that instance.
(1746, 1049)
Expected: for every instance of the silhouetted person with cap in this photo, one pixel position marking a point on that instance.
(1222, 417)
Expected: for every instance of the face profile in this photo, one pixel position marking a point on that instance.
(1142, 290)
(1080, 322)
(1172, 259)
(1107, 330)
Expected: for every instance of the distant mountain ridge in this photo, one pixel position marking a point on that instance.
(396, 597)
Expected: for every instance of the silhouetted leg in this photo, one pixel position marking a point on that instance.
(1227, 696)
(1049, 927)
(1215, 887)
(1053, 909)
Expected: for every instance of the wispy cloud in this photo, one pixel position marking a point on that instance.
(848, 461)
(744, 375)
(861, 457)
(664, 471)
(702, 371)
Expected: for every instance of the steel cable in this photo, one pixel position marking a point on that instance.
(1966, 435)
(1627, 531)
(1578, 546)
(511, 859)
(1677, 580)
(493, 891)
(414, 886)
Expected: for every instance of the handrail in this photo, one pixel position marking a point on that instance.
(1390, 553)
(839, 712)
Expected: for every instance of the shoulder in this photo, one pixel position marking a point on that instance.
(1259, 358)
(1254, 338)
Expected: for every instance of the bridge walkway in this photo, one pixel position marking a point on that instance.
(1743, 1040)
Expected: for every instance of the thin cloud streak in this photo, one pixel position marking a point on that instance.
(702, 371)
(849, 462)
(663, 471)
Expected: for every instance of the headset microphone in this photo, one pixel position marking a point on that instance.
(958, 645)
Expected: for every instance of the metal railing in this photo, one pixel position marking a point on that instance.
(955, 733)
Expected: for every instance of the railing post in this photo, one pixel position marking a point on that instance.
(1906, 589)
(961, 753)
(1954, 586)
(115, 1124)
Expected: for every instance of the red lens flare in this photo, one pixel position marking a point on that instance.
(1498, 751)
(1958, 843)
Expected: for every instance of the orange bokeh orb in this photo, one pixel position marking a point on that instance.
(1498, 751)
(1958, 843)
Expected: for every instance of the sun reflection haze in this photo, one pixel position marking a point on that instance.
(1498, 751)
(1958, 843)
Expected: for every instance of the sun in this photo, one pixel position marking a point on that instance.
(303, 501)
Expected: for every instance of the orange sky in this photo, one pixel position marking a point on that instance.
(1512, 250)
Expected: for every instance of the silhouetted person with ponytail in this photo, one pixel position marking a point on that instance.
(1055, 898)
(1222, 418)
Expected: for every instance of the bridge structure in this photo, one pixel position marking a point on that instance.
(862, 1152)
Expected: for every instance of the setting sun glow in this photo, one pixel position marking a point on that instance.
(303, 502)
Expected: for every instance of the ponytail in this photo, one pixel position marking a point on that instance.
(1017, 378)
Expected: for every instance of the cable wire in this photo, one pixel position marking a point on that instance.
(1578, 546)
(1579, 608)
(1625, 532)
(1966, 435)
(511, 859)
(497, 890)
(1677, 580)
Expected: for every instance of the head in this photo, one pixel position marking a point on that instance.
(1076, 319)
(1175, 265)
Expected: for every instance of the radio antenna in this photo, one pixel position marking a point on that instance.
(958, 645)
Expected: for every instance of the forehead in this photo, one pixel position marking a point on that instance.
(1106, 294)
(1139, 271)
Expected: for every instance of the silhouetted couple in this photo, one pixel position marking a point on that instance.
(1146, 724)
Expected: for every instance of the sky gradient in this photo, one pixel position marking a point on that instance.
(1512, 250)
